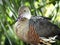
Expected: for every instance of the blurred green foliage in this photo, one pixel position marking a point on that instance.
(9, 14)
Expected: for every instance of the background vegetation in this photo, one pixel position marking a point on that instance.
(9, 14)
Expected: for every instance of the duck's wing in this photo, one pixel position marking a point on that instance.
(43, 27)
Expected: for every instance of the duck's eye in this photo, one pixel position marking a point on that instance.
(24, 10)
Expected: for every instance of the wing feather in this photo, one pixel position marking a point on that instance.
(43, 27)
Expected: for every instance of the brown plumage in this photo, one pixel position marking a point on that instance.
(30, 29)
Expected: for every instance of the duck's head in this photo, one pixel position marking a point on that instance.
(24, 13)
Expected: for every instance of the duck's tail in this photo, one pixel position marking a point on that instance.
(44, 42)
